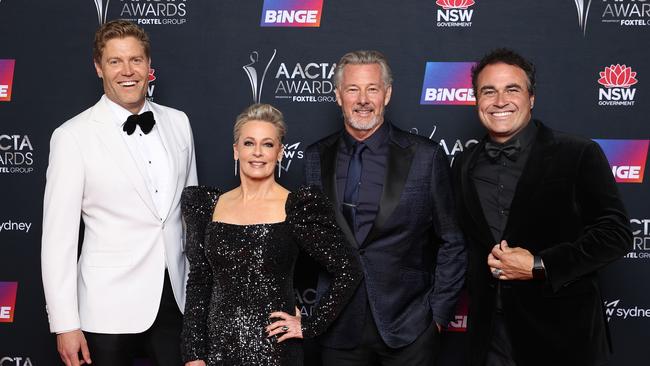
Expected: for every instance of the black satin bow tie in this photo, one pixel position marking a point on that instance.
(511, 150)
(144, 120)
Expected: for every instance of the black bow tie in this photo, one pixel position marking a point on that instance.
(511, 150)
(144, 120)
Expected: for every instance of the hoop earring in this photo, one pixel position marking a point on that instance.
(279, 168)
(236, 167)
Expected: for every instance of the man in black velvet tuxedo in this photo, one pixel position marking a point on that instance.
(542, 215)
(395, 204)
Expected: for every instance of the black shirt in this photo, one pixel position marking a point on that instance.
(496, 180)
(373, 172)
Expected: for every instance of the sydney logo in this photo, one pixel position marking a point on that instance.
(616, 81)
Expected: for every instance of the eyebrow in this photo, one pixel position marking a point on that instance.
(491, 87)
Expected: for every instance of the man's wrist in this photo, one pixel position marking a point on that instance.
(539, 271)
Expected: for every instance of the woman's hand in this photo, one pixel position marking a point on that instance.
(289, 326)
(195, 363)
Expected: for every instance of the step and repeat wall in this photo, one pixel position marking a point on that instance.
(213, 58)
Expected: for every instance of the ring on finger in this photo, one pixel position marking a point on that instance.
(285, 328)
(497, 273)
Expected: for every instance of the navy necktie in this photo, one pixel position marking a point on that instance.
(351, 196)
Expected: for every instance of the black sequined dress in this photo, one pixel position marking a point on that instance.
(239, 274)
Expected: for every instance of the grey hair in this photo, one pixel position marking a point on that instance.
(363, 57)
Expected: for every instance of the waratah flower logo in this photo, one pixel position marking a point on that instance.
(617, 76)
(455, 4)
(152, 77)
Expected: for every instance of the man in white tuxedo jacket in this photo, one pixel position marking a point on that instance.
(123, 176)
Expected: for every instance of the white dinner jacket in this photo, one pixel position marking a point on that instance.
(116, 284)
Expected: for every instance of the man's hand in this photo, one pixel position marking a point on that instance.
(69, 344)
(510, 263)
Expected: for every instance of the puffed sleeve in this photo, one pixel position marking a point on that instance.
(197, 204)
(311, 217)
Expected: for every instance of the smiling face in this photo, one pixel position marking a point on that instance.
(503, 100)
(124, 69)
(258, 149)
(363, 96)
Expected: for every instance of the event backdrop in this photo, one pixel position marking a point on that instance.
(212, 58)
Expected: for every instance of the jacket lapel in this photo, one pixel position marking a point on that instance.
(470, 197)
(109, 135)
(398, 166)
(328, 179)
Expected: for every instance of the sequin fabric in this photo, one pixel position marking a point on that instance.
(239, 274)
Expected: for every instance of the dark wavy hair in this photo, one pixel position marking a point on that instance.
(509, 57)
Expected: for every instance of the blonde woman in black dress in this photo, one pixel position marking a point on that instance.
(242, 247)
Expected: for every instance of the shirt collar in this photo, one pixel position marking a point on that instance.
(374, 142)
(120, 114)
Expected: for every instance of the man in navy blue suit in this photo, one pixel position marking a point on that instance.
(395, 204)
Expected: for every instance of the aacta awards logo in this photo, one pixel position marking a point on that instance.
(627, 158)
(16, 154)
(451, 148)
(301, 82)
(616, 81)
(448, 83)
(291, 13)
(454, 13)
(582, 6)
(626, 13)
(8, 292)
(641, 241)
(150, 87)
(15, 361)
(146, 12)
(6, 79)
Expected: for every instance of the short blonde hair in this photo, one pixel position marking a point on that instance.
(260, 112)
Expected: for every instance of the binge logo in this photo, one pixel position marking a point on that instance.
(6, 79)
(291, 13)
(448, 83)
(454, 13)
(7, 301)
(616, 81)
(627, 158)
(459, 324)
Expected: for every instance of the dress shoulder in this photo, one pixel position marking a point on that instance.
(306, 202)
(198, 201)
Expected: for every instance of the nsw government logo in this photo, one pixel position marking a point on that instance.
(627, 158)
(616, 86)
(291, 13)
(150, 87)
(301, 82)
(16, 154)
(6, 79)
(448, 83)
(454, 13)
(8, 292)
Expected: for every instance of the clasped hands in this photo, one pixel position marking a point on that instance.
(508, 263)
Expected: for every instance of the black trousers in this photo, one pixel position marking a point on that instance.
(373, 351)
(500, 352)
(161, 342)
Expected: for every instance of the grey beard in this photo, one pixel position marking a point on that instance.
(363, 126)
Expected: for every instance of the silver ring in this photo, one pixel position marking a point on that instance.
(497, 273)
(285, 328)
